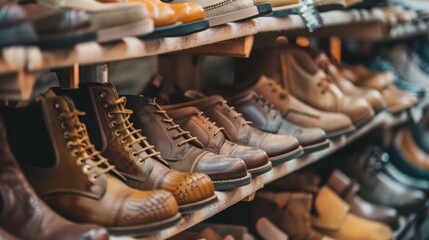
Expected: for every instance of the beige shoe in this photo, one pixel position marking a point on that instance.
(224, 11)
(372, 96)
(112, 20)
(335, 221)
(294, 111)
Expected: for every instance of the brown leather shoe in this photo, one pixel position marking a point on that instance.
(117, 139)
(372, 96)
(396, 99)
(183, 151)
(308, 83)
(348, 189)
(288, 211)
(279, 148)
(24, 214)
(54, 151)
(301, 114)
(264, 117)
(213, 139)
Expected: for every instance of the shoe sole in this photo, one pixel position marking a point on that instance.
(339, 133)
(316, 147)
(67, 38)
(260, 170)
(222, 185)
(139, 28)
(146, 229)
(233, 16)
(192, 207)
(177, 30)
(277, 160)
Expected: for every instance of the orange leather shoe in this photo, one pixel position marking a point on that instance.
(161, 13)
(187, 12)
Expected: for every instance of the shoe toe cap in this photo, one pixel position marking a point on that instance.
(219, 167)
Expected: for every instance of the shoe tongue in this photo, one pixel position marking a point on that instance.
(65, 103)
(109, 88)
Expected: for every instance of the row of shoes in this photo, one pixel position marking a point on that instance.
(366, 190)
(64, 23)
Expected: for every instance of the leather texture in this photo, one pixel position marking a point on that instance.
(299, 113)
(219, 7)
(348, 190)
(124, 146)
(290, 212)
(377, 187)
(340, 224)
(178, 147)
(264, 117)
(372, 96)
(161, 13)
(213, 138)
(396, 99)
(86, 187)
(310, 84)
(406, 155)
(24, 214)
(279, 148)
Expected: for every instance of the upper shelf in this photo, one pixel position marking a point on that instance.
(373, 24)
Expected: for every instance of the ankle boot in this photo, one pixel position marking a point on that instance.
(182, 150)
(24, 214)
(288, 211)
(115, 136)
(54, 151)
(213, 139)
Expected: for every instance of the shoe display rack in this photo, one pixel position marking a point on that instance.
(18, 66)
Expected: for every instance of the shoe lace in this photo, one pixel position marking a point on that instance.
(165, 118)
(206, 121)
(78, 142)
(237, 115)
(125, 129)
(268, 107)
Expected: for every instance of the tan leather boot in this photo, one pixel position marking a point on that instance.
(53, 148)
(295, 111)
(117, 139)
(290, 212)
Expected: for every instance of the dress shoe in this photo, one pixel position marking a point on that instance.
(341, 224)
(372, 96)
(310, 84)
(382, 64)
(264, 117)
(114, 135)
(301, 114)
(396, 99)
(112, 20)
(302, 181)
(376, 186)
(7, 236)
(220, 11)
(406, 155)
(24, 214)
(53, 148)
(213, 138)
(348, 190)
(290, 212)
(183, 151)
(279, 148)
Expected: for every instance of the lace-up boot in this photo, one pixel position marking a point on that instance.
(265, 117)
(213, 139)
(115, 136)
(74, 179)
(182, 150)
(279, 148)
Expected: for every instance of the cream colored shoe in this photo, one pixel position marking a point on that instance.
(112, 20)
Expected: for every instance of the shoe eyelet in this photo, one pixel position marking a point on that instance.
(122, 140)
(105, 106)
(69, 145)
(110, 115)
(74, 153)
(177, 145)
(63, 126)
(102, 95)
(86, 169)
(128, 147)
(93, 178)
(113, 124)
(56, 105)
(66, 135)
(209, 128)
(79, 161)
(133, 155)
